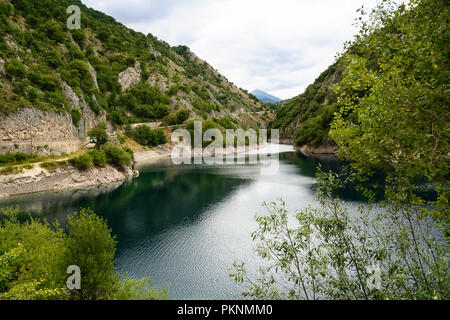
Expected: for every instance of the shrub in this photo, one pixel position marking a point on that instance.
(15, 69)
(49, 82)
(176, 118)
(76, 116)
(34, 256)
(116, 155)
(148, 137)
(98, 157)
(32, 94)
(17, 158)
(51, 165)
(82, 162)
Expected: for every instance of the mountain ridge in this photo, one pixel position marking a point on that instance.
(265, 97)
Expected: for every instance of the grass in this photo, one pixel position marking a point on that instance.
(52, 165)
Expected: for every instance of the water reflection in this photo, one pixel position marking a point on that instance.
(184, 225)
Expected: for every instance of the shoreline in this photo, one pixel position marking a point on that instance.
(39, 180)
(143, 158)
(66, 177)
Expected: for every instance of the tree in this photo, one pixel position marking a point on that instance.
(393, 119)
(394, 102)
(31, 259)
(99, 134)
(147, 136)
(34, 256)
(333, 254)
(92, 248)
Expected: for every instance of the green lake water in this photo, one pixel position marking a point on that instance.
(184, 225)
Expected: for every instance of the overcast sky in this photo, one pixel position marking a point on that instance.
(279, 46)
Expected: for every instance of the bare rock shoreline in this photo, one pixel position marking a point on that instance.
(65, 177)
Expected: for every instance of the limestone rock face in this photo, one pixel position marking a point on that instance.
(130, 77)
(156, 80)
(32, 130)
(89, 119)
(93, 75)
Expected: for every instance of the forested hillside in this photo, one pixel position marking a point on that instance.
(306, 118)
(130, 76)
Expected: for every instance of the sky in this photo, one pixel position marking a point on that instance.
(278, 46)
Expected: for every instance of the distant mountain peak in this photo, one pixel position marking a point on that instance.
(265, 97)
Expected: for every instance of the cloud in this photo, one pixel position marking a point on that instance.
(277, 46)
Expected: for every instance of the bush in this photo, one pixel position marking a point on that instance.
(32, 94)
(17, 158)
(148, 137)
(82, 162)
(34, 256)
(98, 157)
(15, 69)
(76, 116)
(116, 155)
(176, 118)
(49, 82)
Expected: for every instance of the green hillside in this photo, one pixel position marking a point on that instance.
(38, 53)
(306, 118)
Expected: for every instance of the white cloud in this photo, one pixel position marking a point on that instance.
(276, 46)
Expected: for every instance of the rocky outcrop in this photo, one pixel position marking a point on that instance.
(130, 77)
(326, 148)
(93, 75)
(64, 178)
(32, 130)
(89, 118)
(156, 80)
(35, 131)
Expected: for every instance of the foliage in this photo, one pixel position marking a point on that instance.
(15, 69)
(146, 136)
(17, 158)
(34, 257)
(118, 156)
(307, 117)
(99, 134)
(133, 289)
(76, 116)
(176, 118)
(394, 101)
(333, 254)
(82, 162)
(92, 248)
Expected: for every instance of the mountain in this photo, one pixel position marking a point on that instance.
(306, 119)
(265, 97)
(103, 72)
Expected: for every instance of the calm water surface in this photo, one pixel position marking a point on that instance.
(183, 226)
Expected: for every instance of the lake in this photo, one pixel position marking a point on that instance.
(183, 226)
